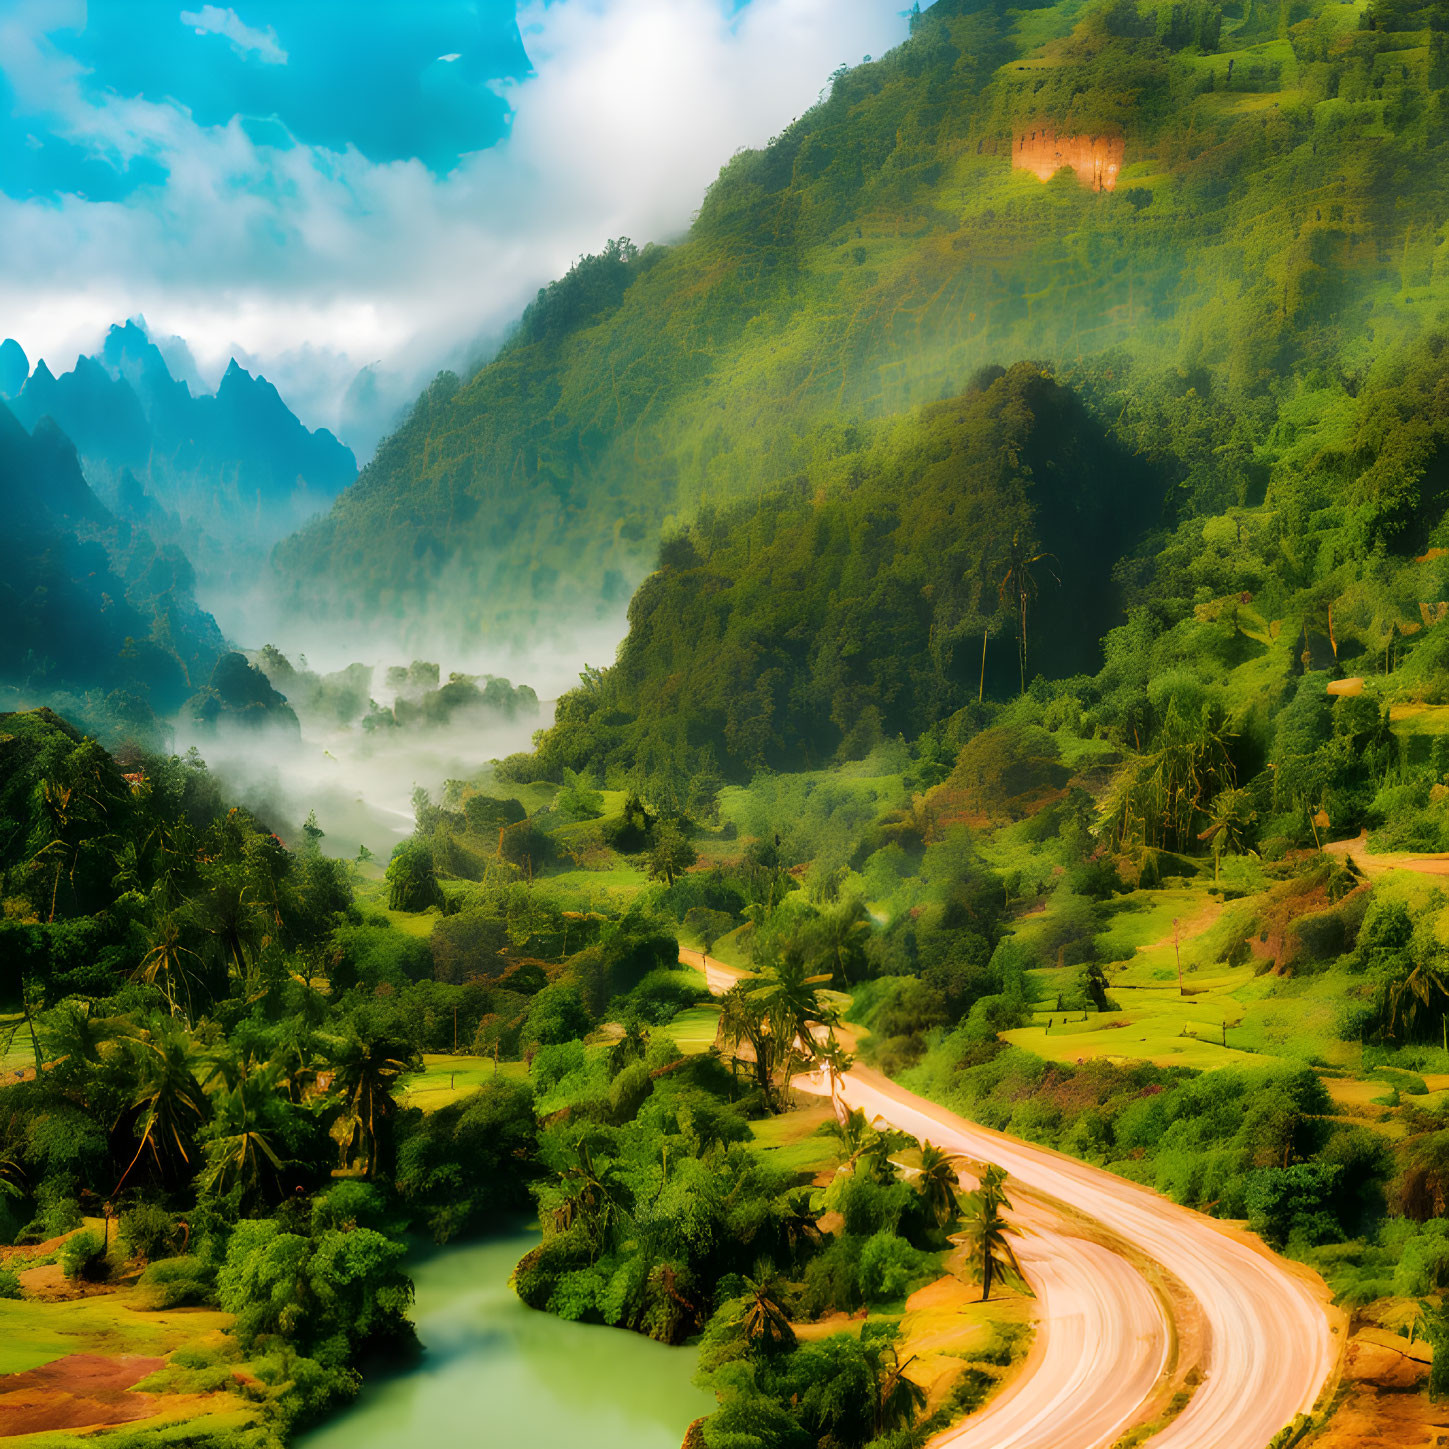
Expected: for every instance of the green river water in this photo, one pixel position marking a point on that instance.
(498, 1374)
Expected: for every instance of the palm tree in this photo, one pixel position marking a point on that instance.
(792, 1005)
(765, 1323)
(937, 1184)
(851, 1130)
(1018, 588)
(1230, 818)
(836, 1061)
(1413, 1002)
(900, 1399)
(594, 1196)
(743, 1022)
(244, 1149)
(798, 1223)
(75, 1038)
(365, 1071)
(164, 965)
(987, 1229)
(877, 1149)
(170, 1101)
(293, 1057)
(839, 933)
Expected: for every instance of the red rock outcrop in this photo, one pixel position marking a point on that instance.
(1097, 160)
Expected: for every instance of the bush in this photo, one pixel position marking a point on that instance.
(660, 996)
(1294, 1202)
(83, 1255)
(174, 1283)
(889, 1266)
(9, 1284)
(832, 1281)
(146, 1230)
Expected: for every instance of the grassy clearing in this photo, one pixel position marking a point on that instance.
(694, 1030)
(17, 1052)
(33, 1332)
(188, 1403)
(447, 1078)
(796, 1141)
(619, 878)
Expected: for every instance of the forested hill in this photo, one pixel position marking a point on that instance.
(820, 620)
(99, 618)
(1243, 226)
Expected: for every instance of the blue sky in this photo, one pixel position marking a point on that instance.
(320, 185)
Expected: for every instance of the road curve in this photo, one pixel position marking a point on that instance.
(1270, 1345)
(1086, 1379)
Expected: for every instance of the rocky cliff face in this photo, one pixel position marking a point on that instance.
(1097, 160)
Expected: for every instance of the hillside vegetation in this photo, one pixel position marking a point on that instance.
(1271, 247)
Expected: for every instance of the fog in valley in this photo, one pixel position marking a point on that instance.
(370, 734)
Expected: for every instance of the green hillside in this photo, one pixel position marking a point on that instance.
(1271, 241)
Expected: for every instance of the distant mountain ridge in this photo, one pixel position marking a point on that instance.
(236, 459)
(98, 616)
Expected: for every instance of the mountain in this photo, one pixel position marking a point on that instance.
(99, 617)
(1216, 223)
(234, 462)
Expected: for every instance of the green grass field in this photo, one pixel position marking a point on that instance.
(794, 1141)
(446, 1079)
(694, 1030)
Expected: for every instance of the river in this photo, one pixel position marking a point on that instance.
(494, 1373)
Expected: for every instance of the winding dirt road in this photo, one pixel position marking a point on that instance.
(1269, 1340)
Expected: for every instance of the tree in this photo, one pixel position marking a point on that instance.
(835, 1061)
(244, 1150)
(791, 1001)
(365, 1069)
(937, 1184)
(1018, 589)
(577, 799)
(164, 965)
(987, 1229)
(841, 935)
(1160, 797)
(851, 1130)
(1230, 818)
(672, 854)
(1413, 1003)
(707, 925)
(170, 1102)
(413, 878)
(901, 1399)
(593, 1196)
(764, 1323)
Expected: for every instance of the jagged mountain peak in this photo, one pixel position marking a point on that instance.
(14, 367)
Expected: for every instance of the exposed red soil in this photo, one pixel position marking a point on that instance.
(81, 1390)
(1096, 160)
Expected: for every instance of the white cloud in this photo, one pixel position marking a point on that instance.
(316, 263)
(245, 40)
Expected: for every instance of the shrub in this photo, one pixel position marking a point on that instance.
(146, 1230)
(83, 1255)
(889, 1266)
(832, 1281)
(174, 1283)
(9, 1284)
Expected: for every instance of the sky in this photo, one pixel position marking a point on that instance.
(322, 186)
